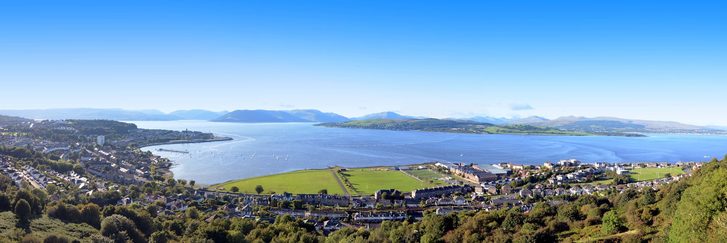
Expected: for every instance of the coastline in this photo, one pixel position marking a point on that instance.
(564, 133)
(167, 170)
(215, 139)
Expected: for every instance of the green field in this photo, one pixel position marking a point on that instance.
(298, 182)
(368, 180)
(647, 174)
(427, 175)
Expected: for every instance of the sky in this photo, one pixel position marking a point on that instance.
(657, 60)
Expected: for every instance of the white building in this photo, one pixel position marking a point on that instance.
(100, 140)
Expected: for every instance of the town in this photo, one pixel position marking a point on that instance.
(102, 162)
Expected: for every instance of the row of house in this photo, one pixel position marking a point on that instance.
(439, 191)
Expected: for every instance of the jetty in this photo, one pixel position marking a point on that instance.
(173, 151)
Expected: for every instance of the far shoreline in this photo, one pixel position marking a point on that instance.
(215, 139)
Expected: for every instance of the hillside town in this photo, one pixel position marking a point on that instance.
(108, 169)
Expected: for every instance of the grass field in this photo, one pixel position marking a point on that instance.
(298, 182)
(427, 175)
(368, 180)
(647, 174)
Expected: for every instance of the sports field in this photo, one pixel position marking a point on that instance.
(428, 176)
(298, 182)
(647, 174)
(366, 181)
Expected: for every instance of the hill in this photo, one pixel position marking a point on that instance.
(453, 126)
(384, 115)
(491, 120)
(611, 124)
(253, 116)
(701, 213)
(196, 114)
(113, 114)
(507, 121)
(11, 120)
(91, 113)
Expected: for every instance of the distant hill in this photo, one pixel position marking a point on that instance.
(253, 116)
(197, 114)
(528, 120)
(383, 115)
(611, 124)
(491, 120)
(507, 121)
(723, 128)
(11, 120)
(90, 113)
(453, 126)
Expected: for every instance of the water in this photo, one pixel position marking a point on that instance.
(261, 149)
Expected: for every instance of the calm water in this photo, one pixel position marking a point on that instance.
(261, 149)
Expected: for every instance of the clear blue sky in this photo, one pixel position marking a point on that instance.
(637, 59)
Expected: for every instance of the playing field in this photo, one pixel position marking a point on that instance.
(428, 176)
(368, 180)
(297, 182)
(647, 174)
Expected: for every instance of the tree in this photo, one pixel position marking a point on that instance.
(29, 198)
(236, 189)
(121, 229)
(323, 191)
(568, 213)
(512, 220)
(611, 223)
(192, 213)
(5, 183)
(79, 169)
(259, 189)
(191, 183)
(23, 212)
(51, 189)
(56, 239)
(91, 214)
(159, 237)
(64, 212)
(5, 204)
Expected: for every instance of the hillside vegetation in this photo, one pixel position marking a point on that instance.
(701, 214)
(453, 126)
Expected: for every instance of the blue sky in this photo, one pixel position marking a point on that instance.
(657, 60)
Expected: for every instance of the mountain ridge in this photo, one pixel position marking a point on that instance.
(383, 115)
(600, 124)
(275, 116)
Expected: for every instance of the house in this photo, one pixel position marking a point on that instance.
(622, 171)
(525, 193)
(473, 173)
(332, 225)
(459, 201)
(438, 191)
(480, 190)
(327, 214)
(569, 162)
(506, 189)
(377, 217)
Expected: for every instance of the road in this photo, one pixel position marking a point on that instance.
(340, 183)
